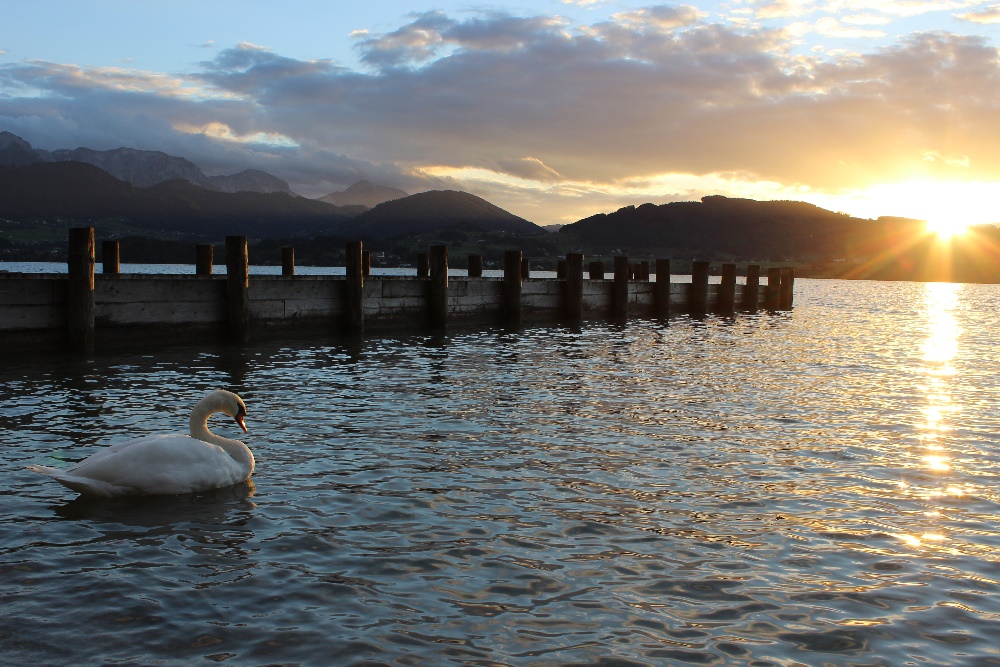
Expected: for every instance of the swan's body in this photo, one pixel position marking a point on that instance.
(166, 464)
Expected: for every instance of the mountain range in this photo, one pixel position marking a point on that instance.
(126, 193)
(148, 168)
(50, 196)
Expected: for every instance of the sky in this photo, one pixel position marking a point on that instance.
(553, 110)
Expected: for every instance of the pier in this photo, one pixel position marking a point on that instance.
(81, 306)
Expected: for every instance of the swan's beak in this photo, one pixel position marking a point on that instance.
(239, 419)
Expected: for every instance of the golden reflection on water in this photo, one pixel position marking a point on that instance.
(938, 354)
(939, 351)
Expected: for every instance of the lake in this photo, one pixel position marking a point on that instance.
(813, 487)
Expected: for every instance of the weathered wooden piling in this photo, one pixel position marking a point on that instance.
(772, 297)
(355, 319)
(525, 268)
(74, 306)
(475, 266)
(439, 286)
(726, 302)
(661, 289)
(698, 299)
(366, 262)
(237, 288)
(512, 280)
(561, 269)
(573, 293)
(111, 258)
(80, 289)
(204, 259)
(619, 291)
(288, 261)
(597, 270)
(423, 265)
(751, 293)
(787, 288)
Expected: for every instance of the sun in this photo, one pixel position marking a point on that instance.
(949, 208)
(947, 228)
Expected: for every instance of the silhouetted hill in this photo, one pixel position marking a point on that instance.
(364, 194)
(73, 191)
(723, 228)
(437, 210)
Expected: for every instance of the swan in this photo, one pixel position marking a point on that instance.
(169, 464)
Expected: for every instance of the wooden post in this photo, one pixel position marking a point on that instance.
(203, 263)
(644, 270)
(423, 265)
(751, 293)
(525, 268)
(111, 257)
(787, 288)
(561, 270)
(80, 289)
(597, 270)
(574, 286)
(366, 262)
(355, 288)
(727, 290)
(475, 266)
(288, 261)
(661, 292)
(512, 264)
(619, 291)
(439, 287)
(237, 288)
(772, 298)
(698, 299)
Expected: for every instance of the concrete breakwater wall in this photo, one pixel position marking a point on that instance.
(79, 304)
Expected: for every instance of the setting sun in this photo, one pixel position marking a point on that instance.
(946, 228)
(949, 207)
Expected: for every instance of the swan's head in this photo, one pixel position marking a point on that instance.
(232, 405)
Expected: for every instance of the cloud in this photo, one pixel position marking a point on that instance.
(987, 15)
(775, 9)
(660, 17)
(528, 168)
(831, 27)
(547, 111)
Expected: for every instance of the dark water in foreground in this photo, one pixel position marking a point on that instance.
(809, 488)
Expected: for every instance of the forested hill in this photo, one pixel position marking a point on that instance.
(724, 228)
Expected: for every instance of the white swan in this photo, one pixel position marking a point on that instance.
(166, 464)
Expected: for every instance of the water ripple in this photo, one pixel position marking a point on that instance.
(815, 487)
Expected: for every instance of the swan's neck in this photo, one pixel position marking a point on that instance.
(199, 429)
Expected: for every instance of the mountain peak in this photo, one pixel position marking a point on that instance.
(364, 193)
(15, 151)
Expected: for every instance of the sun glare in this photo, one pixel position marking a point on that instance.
(950, 208)
(946, 228)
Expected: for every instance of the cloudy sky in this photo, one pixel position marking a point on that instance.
(553, 109)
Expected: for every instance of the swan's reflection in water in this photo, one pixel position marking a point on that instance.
(214, 507)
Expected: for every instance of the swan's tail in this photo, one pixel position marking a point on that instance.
(82, 485)
(44, 470)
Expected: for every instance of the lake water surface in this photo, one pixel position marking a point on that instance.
(817, 487)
